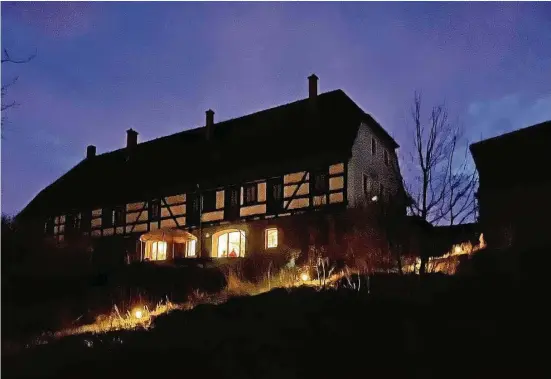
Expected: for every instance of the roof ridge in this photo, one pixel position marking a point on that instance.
(186, 131)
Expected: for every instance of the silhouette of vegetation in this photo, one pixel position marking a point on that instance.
(444, 183)
(6, 58)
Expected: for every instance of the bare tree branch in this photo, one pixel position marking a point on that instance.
(444, 188)
(6, 58)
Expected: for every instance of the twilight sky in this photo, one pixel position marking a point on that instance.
(102, 68)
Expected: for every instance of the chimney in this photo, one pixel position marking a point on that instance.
(313, 86)
(90, 151)
(209, 123)
(131, 138)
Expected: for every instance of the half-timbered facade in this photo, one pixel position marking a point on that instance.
(257, 183)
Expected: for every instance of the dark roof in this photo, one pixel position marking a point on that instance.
(270, 140)
(514, 158)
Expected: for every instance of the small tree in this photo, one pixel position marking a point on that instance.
(443, 188)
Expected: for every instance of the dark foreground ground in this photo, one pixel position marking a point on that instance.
(465, 328)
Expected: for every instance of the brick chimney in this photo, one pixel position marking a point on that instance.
(131, 138)
(90, 151)
(313, 86)
(209, 123)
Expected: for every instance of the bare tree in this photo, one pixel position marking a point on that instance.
(443, 188)
(6, 58)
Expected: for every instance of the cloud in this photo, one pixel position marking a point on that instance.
(494, 117)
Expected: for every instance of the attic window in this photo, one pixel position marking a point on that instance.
(373, 146)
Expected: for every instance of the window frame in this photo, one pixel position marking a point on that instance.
(250, 194)
(267, 231)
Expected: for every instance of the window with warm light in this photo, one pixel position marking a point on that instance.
(230, 244)
(155, 250)
(271, 238)
(191, 246)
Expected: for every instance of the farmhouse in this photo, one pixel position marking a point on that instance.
(276, 179)
(514, 192)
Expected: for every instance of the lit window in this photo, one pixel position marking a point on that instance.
(229, 244)
(191, 248)
(155, 250)
(271, 238)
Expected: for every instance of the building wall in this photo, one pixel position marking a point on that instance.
(517, 216)
(173, 209)
(363, 162)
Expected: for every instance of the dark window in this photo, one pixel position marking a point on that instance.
(107, 217)
(192, 208)
(86, 220)
(249, 194)
(373, 146)
(319, 182)
(49, 227)
(381, 189)
(154, 209)
(76, 221)
(385, 156)
(209, 201)
(69, 223)
(120, 216)
(231, 199)
(274, 195)
(367, 185)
